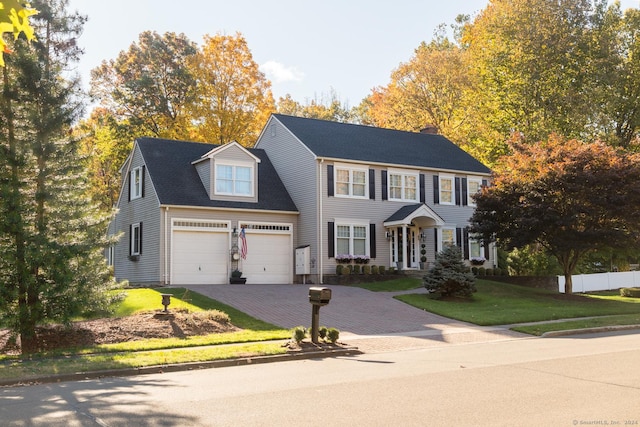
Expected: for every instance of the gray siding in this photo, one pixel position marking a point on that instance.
(297, 168)
(204, 171)
(146, 211)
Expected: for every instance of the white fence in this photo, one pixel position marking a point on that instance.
(602, 281)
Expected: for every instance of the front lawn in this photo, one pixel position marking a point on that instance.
(503, 304)
(252, 340)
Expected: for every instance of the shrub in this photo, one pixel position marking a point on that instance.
(356, 269)
(449, 275)
(322, 332)
(332, 335)
(366, 269)
(392, 270)
(482, 271)
(474, 270)
(382, 269)
(630, 292)
(299, 333)
(374, 269)
(489, 272)
(339, 269)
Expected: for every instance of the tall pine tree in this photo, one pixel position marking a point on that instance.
(51, 238)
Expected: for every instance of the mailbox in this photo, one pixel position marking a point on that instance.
(319, 296)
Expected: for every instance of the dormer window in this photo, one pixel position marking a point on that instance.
(234, 180)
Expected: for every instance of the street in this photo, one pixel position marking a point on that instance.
(568, 381)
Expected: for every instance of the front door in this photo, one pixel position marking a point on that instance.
(404, 245)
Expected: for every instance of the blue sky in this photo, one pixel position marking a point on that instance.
(306, 48)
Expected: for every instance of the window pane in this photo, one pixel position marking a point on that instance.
(359, 232)
(343, 231)
(342, 246)
(359, 247)
(446, 190)
(243, 188)
(358, 190)
(342, 182)
(243, 173)
(448, 238)
(358, 177)
(224, 172)
(474, 249)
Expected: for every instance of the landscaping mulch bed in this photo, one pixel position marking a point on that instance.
(122, 329)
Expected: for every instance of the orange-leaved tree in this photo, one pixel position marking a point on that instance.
(568, 196)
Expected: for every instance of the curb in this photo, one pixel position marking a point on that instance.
(159, 369)
(552, 334)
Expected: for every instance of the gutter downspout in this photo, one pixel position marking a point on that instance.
(320, 257)
(166, 245)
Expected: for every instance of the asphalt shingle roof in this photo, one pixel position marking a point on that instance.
(370, 144)
(177, 182)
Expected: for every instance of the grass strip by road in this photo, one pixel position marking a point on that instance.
(26, 369)
(503, 304)
(598, 322)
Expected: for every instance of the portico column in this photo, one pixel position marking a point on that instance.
(404, 246)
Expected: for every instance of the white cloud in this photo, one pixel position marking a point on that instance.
(278, 73)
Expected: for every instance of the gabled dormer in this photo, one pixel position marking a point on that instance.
(229, 172)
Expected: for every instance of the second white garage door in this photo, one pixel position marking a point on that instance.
(269, 259)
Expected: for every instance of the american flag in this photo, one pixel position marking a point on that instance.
(243, 244)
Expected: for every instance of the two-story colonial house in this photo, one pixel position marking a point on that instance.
(334, 188)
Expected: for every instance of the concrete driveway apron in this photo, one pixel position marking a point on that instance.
(373, 321)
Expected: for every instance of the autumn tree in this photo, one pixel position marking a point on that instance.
(149, 86)
(570, 197)
(234, 97)
(534, 69)
(326, 107)
(14, 19)
(51, 239)
(106, 143)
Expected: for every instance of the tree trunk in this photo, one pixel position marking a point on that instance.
(568, 283)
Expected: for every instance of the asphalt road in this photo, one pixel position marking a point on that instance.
(568, 381)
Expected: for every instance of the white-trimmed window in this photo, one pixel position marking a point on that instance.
(475, 249)
(474, 185)
(447, 237)
(447, 190)
(352, 239)
(351, 182)
(136, 239)
(136, 181)
(234, 180)
(403, 186)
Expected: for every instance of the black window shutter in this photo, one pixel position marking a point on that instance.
(465, 243)
(372, 184)
(423, 195)
(459, 237)
(142, 180)
(330, 180)
(435, 238)
(140, 239)
(330, 237)
(130, 239)
(457, 191)
(128, 184)
(372, 240)
(464, 192)
(436, 189)
(486, 250)
(383, 183)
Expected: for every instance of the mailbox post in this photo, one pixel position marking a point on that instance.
(318, 297)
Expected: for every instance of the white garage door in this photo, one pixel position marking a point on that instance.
(199, 257)
(269, 259)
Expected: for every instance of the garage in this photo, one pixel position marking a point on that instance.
(269, 257)
(199, 257)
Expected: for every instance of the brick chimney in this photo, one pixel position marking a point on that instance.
(429, 129)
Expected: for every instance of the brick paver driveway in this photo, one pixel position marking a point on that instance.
(358, 314)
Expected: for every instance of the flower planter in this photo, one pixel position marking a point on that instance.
(237, 280)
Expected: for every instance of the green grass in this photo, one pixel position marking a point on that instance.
(500, 304)
(252, 340)
(401, 284)
(598, 322)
